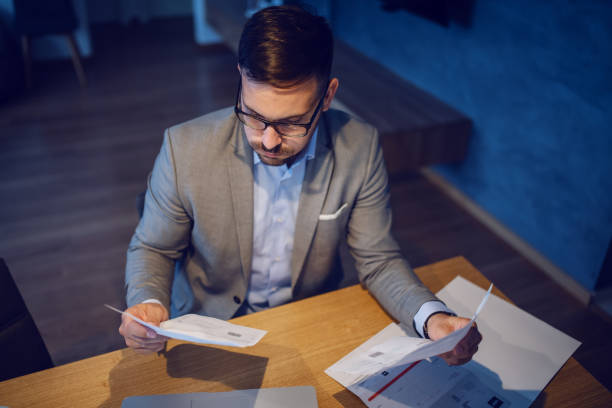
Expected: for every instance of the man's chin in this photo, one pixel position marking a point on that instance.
(272, 161)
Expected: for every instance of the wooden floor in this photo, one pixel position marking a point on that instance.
(72, 162)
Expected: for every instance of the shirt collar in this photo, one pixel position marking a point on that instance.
(308, 153)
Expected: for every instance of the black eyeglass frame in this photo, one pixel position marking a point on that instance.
(267, 123)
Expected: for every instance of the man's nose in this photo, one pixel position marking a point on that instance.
(270, 138)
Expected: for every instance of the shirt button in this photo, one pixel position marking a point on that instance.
(277, 259)
(279, 219)
(237, 299)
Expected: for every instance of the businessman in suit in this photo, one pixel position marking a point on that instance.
(246, 207)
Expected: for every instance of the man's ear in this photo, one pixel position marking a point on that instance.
(332, 88)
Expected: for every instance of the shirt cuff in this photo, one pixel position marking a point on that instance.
(153, 301)
(426, 310)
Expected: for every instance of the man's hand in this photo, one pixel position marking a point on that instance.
(440, 325)
(142, 339)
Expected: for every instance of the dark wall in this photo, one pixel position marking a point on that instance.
(535, 78)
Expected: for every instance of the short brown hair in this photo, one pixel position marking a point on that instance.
(286, 45)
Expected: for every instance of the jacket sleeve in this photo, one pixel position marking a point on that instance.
(162, 235)
(378, 259)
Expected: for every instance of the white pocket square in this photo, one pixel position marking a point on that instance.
(327, 217)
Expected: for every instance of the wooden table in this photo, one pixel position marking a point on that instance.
(304, 338)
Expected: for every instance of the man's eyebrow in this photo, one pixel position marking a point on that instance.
(293, 118)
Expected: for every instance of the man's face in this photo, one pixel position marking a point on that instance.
(295, 105)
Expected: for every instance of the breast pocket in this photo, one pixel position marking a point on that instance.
(331, 229)
(332, 226)
(335, 215)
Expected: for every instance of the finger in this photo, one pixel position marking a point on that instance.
(478, 336)
(465, 350)
(134, 342)
(151, 347)
(458, 361)
(469, 343)
(136, 330)
(475, 336)
(149, 335)
(145, 342)
(132, 328)
(468, 352)
(137, 345)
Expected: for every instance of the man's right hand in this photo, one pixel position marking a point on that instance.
(142, 339)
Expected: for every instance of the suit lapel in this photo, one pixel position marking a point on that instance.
(240, 165)
(314, 190)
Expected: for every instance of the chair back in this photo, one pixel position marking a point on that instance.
(22, 349)
(36, 17)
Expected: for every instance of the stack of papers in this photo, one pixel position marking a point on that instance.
(203, 330)
(518, 356)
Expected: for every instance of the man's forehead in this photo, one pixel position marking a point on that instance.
(276, 102)
(306, 87)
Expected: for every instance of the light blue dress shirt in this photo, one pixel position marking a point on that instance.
(276, 196)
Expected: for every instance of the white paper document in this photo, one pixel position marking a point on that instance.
(203, 329)
(519, 352)
(294, 397)
(392, 369)
(395, 348)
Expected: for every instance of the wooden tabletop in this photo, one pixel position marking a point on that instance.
(304, 338)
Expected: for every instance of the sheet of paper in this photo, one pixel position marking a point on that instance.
(518, 352)
(403, 349)
(383, 355)
(434, 384)
(203, 330)
(294, 397)
(344, 371)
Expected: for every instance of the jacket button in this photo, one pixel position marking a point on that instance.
(237, 299)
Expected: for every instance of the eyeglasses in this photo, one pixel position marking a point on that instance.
(287, 129)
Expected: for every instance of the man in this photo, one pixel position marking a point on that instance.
(246, 207)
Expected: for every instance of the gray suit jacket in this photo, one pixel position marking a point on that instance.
(195, 237)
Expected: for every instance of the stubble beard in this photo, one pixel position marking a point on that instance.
(279, 149)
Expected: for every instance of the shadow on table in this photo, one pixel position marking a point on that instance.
(234, 369)
(539, 402)
(148, 374)
(347, 399)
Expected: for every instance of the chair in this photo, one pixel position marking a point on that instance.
(22, 349)
(11, 70)
(36, 18)
(140, 202)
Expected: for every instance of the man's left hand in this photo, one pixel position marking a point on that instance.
(440, 325)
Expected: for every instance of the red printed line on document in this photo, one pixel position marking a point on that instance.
(397, 377)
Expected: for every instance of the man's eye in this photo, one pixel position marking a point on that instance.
(256, 116)
(292, 122)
